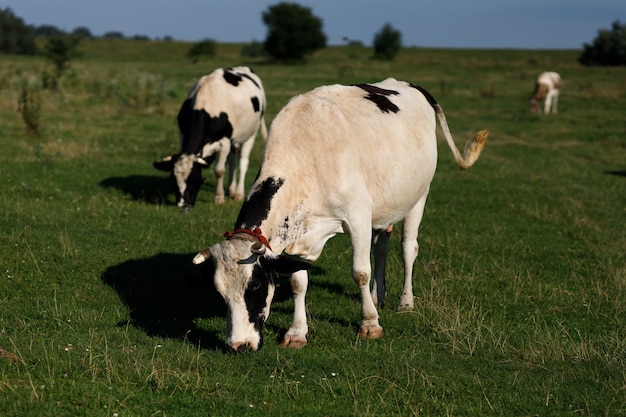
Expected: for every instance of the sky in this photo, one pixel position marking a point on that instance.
(518, 24)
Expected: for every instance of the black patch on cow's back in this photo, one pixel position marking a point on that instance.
(235, 78)
(251, 79)
(256, 207)
(431, 100)
(378, 96)
(256, 105)
(232, 77)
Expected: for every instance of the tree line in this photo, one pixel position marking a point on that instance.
(293, 34)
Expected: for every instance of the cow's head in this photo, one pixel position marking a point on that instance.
(186, 172)
(541, 91)
(243, 271)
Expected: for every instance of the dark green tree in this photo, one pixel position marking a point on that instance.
(113, 34)
(15, 36)
(293, 32)
(387, 43)
(46, 31)
(82, 32)
(607, 49)
(60, 49)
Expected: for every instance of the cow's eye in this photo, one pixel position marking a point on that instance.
(255, 283)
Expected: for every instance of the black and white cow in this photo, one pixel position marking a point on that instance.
(220, 117)
(339, 159)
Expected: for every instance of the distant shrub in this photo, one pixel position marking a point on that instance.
(206, 47)
(253, 49)
(82, 32)
(387, 43)
(29, 106)
(113, 34)
(607, 49)
(46, 31)
(60, 49)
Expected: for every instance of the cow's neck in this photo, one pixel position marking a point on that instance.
(277, 209)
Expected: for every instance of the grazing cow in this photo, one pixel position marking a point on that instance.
(223, 110)
(547, 89)
(354, 159)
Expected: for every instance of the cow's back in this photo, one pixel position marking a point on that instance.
(235, 92)
(550, 79)
(338, 143)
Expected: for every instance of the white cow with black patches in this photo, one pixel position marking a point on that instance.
(220, 118)
(339, 159)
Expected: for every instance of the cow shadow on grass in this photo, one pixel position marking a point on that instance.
(165, 295)
(147, 188)
(616, 173)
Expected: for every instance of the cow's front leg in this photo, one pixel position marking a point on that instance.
(361, 273)
(295, 337)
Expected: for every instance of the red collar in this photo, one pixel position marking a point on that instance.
(256, 232)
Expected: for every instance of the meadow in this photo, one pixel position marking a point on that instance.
(520, 282)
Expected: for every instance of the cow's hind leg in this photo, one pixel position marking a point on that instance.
(237, 192)
(296, 335)
(220, 168)
(380, 245)
(410, 249)
(555, 102)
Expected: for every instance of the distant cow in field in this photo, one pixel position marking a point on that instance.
(547, 89)
(339, 159)
(219, 119)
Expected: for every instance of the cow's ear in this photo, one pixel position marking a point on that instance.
(166, 164)
(284, 264)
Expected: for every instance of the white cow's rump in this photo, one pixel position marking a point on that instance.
(547, 88)
(219, 119)
(339, 159)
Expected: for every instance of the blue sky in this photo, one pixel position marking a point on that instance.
(545, 24)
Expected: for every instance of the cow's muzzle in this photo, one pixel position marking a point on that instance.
(242, 347)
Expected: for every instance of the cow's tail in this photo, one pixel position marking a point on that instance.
(472, 150)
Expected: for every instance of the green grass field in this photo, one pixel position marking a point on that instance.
(520, 283)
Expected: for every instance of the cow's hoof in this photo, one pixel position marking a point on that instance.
(219, 200)
(293, 342)
(367, 332)
(238, 197)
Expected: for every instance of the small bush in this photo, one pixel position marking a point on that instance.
(206, 47)
(29, 106)
(387, 43)
(607, 49)
(253, 49)
(60, 49)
